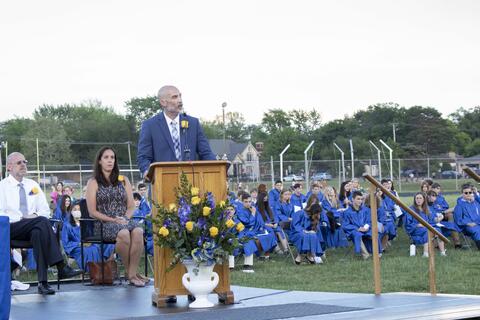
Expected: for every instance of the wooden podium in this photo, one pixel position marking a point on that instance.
(165, 176)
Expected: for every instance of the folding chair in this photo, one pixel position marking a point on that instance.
(26, 244)
(87, 235)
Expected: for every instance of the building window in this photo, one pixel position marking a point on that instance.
(249, 156)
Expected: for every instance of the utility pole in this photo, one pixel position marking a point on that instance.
(394, 133)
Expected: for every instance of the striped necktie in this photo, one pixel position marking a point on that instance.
(176, 140)
(23, 200)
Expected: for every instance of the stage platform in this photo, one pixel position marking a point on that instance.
(75, 301)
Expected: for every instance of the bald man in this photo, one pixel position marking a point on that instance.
(171, 135)
(23, 201)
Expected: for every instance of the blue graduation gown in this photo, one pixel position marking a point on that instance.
(305, 242)
(337, 238)
(468, 212)
(255, 228)
(352, 221)
(419, 235)
(283, 211)
(298, 200)
(271, 221)
(441, 204)
(71, 245)
(386, 215)
(447, 227)
(273, 197)
(143, 211)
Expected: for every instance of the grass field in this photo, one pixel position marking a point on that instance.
(459, 272)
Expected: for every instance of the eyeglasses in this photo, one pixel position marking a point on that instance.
(468, 192)
(22, 161)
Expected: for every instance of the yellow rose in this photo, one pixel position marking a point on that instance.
(121, 178)
(213, 231)
(229, 223)
(172, 207)
(34, 190)
(163, 231)
(222, 204)
(189, 226)
(196, 200)
(206, 211)
(194, 191)
(184, 124)
(240, 227)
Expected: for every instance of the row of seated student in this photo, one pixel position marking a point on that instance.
(321, 219)
(67, 210)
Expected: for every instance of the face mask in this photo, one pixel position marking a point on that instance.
(76, 214)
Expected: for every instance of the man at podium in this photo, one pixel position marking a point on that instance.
(171, 135)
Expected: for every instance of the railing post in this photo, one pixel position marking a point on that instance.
(376, 258)
(431, 264)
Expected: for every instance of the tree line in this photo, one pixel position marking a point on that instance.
(72, 133)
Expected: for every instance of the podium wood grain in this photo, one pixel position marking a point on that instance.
(165, 176)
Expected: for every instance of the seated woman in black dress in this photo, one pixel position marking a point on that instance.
(110, 199)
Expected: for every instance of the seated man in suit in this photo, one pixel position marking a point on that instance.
(23, 201)
(171, 135)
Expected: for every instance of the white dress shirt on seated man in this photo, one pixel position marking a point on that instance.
(10, 199)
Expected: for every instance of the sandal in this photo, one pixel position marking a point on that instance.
(143, 278)
(136, 282)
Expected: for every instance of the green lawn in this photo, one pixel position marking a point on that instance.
(459, 272)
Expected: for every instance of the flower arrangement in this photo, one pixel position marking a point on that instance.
(34, 191)
(195, 228)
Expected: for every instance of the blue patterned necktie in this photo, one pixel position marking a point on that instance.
(23, 200)
(176, 140)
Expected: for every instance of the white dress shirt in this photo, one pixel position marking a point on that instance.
(10, 199)
(169, 121)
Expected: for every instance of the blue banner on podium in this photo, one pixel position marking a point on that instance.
(5, 276)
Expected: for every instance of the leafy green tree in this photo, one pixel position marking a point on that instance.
(54, 147)
(275, 119)
(141, 109)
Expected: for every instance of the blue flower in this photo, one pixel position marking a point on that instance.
(211, 200)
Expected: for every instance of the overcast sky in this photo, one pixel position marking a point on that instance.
(336, 56)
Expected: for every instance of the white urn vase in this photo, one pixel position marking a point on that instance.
(200, 280)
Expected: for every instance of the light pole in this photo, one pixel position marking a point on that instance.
(224, 105)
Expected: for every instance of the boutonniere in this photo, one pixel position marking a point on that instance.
(121, 178)
(33, 192)
(184, 124)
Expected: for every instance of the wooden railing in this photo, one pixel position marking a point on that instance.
(472, 174)
(431, 232)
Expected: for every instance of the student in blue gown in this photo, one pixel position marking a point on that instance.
(467, 214)
(271, 221)
(335, 236)
(141, 214)
(306, 234)
(254, 228)
(248, 248)
(298, 198)
(448, 229)
(231, 195)
(62, 212)
(284, 211)
(388, 211)
(344, 194)
(316, 190)
(358, 227)
(274, 194)
(416, 231)
(71, 242)
(144, 205)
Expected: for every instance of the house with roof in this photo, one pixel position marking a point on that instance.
(243, 156)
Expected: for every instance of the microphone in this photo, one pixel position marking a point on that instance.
(184, 125)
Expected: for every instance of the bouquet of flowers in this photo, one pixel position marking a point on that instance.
(195, 228)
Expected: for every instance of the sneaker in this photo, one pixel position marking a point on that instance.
(425, 255)
(318, 260)
(17, 285)
(248, 269)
